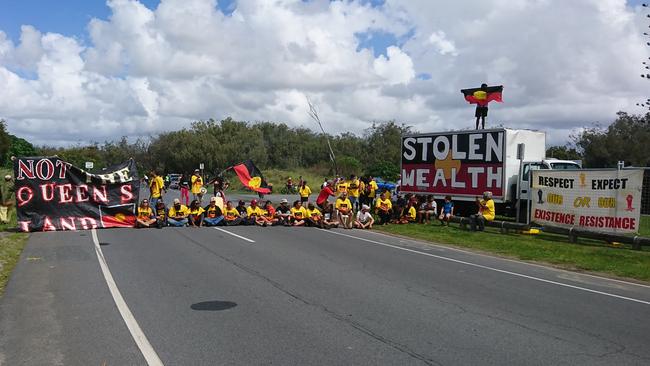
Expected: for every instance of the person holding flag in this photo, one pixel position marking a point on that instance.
(481, 97)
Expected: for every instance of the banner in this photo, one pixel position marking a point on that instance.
(458, 164)
(598, 200)
(52, 195)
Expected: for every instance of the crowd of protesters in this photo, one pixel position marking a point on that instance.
(355, 203)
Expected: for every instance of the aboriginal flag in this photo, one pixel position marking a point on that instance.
(251, 177)
(117, 216)
(483, 97)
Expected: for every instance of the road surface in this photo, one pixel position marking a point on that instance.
(303, 296)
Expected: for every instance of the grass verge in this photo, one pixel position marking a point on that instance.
(11, 245)
(547, 248)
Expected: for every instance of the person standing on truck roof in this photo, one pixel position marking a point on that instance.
(485, 212)
(481, 105)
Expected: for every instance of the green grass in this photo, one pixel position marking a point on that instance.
(278, 177)
(547, 248)
(644, 226)
(11, 245)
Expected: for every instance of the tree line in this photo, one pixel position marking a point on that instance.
(221, 144)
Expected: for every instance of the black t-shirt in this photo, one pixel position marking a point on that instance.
(212, 212)
(285, 210)
(242, 210)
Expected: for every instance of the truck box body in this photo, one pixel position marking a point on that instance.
(464, 164)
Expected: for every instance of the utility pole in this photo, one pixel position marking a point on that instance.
(646, 64)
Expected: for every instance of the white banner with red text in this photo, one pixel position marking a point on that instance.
(600, 200)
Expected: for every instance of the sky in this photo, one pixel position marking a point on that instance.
(81, 71)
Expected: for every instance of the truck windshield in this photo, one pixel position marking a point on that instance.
(529, 167)
(563, 165)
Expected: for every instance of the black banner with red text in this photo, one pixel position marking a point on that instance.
(53, 195)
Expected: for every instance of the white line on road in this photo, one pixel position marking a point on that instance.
(444, 247)
(140, 339)
(235, 235)
(493, 269)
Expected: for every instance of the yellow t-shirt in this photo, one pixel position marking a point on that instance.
(488, 211)
(298, 213)
(304, 192)
(254, 211)
(182, 211)
(353, 188)
(384, 204)
(211, 212)
(156, 186)
(373, 189)
(197, 184)
(343, 205)
(144, 213)
(342, 187)
(197, 211)
(314, 214)
(411, 213)
(231, 214)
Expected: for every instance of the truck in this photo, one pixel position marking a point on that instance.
(464, 164)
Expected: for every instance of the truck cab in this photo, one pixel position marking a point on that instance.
(548, 163)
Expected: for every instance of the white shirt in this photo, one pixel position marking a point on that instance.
(363, 216)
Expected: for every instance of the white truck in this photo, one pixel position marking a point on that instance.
(464, 164)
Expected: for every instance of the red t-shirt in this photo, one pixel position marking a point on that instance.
(324, 195)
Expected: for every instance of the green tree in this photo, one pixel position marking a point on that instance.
(627, 139)
(563, 153)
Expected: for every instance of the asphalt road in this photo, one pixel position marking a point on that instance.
(301, 296)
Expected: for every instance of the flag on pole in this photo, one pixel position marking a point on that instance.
(251, 177)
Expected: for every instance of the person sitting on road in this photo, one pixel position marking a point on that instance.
(212, 213)
(161, 214)
(344, 210)
(329, 217)
(232, 216)
(298, 214)
(195, 218)
(485, 212)
(304, 192)
(364, 219)
(253, 214)
(314, 216)
(178, 213)
(446, 211)
(384, 208)
(145, 218)
(243, 210)
(270, 214)
(428, 208)
(324, 194)
(283, 213)
(409, 214)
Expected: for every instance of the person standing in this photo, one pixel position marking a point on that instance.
(7, 198)
(197, 186)
(185, 188)
(372, 188)
(304, 192)
(156, 188)
(481, 105)
(353, 191)
(485, 212)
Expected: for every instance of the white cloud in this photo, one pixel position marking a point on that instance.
(149, 70)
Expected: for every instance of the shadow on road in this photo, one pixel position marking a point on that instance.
(213, 305)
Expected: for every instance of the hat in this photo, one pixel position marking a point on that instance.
(284, 200)
(487, 194)
(365, 207)
(253, 202)
(213, 199)
(176, 201)
(197, 170)
(7, 177)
